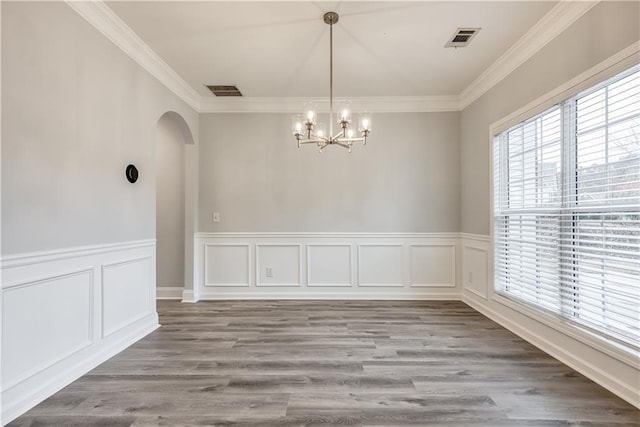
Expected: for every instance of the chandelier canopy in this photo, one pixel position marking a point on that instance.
(308, 130)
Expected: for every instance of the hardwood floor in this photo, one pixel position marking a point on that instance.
(307, 363)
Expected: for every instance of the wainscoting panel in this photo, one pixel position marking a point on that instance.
(278, 264)
(433, 265)
(66, 311)
(328, 265)
(227, 265)
(475, 266)
(380, 264)
(32, 322)
(126, 293)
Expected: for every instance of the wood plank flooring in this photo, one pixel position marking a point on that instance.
(318, 363)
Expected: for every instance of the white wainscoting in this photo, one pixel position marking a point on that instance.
(330, 264)
(433, 266)
(285, 259)
(227, 264)
(327, 266)
(475, 264)
(380, 264)
(66, 311)
(60, 330)
(126, 294)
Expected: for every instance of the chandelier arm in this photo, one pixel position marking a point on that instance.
(351, 140)
(338, 136)
(342, 145)
(315, 140)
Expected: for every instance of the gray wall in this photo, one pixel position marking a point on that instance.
(75, 111)
(606, 29)
(405, 179)
(170, 148)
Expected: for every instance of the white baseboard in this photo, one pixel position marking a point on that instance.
(575, 361)
(169, 292)
(188, 296)
(13, 408)
(598, 360)
(304, 295)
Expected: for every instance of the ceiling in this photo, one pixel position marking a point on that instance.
(281, 49)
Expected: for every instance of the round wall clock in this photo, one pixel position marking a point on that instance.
(132, 173)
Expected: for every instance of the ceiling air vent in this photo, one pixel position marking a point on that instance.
(462, 37)
(224, 90)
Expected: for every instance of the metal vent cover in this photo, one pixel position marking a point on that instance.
(224, 90)
(462, 37)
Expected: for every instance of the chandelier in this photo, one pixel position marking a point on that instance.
(307, 130)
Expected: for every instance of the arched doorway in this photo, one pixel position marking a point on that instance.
(173, 195)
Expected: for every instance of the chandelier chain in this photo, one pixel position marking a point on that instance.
(331, 78)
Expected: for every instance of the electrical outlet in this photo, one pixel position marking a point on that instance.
(215, 217)
(470, 277)
(269, 272)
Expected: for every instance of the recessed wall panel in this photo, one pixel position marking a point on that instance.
(475, 270)
(380, 265)
(278, 265)
(329, 265)
(43, 322)
(227, 265)
(433, 265)
(126, 295)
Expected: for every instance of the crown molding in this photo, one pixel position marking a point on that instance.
(111, 26)
(558, 19)
(565, 13)
(383, 104)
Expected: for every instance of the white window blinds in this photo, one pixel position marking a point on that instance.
(567, 209)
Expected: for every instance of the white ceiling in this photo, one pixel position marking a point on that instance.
(281, 49)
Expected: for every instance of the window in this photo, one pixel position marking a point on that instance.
(567, 209)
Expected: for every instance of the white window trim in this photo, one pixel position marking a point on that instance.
(608, 68)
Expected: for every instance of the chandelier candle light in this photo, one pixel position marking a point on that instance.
(305, 127)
